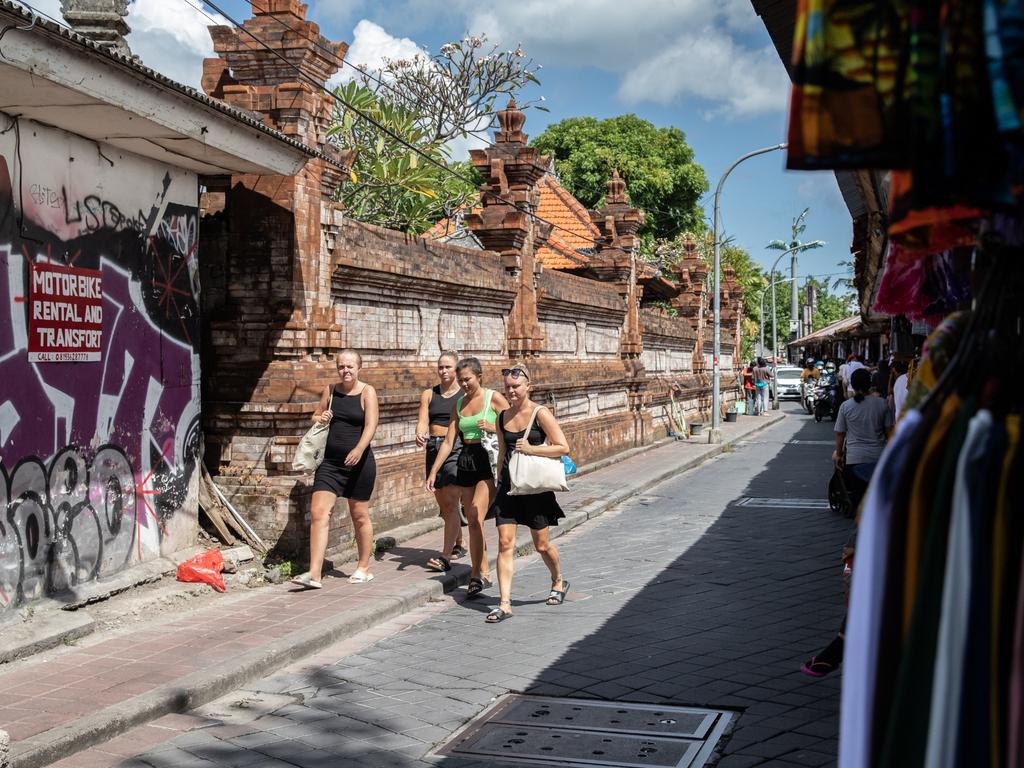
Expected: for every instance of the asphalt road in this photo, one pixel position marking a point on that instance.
(707, 590)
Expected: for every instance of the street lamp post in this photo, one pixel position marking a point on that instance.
(775, 343)
(715, 434)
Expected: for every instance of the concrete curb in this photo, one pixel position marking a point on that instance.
(47, 631)
(202, 687)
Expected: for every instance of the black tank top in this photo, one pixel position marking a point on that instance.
(440, 408)
(537, 436)
(346, 426)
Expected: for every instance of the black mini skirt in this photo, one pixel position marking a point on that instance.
(473, 466)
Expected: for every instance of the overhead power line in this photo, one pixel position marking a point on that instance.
(372, 121)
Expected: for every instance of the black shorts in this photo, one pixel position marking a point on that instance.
(473, 466)
(446, 475)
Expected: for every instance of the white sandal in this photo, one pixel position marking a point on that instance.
(360, 576)
(305, 580)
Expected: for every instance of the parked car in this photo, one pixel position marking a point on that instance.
(787, 379)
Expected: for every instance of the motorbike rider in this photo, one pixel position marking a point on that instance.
(808, 377)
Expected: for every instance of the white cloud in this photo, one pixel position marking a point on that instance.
(710, 65)
(171, 38)
(663, 50)
(371, 44)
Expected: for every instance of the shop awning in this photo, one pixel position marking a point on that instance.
(838, 328)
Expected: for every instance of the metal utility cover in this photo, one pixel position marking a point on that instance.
(540, 731)
(750, 501)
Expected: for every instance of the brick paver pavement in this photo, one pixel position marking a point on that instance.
(681, 596)
(61, 686)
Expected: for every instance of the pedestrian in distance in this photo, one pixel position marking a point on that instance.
(474, 415)
(530, 429)
(762, 378)
(348, 468)
(749, 390)
(435, 414)
(861, 429)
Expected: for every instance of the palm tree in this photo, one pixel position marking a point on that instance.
(794, 244)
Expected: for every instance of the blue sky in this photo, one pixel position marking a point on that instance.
(705, 66)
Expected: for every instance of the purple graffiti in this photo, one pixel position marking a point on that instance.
(96, 457)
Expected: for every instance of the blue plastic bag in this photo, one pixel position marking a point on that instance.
(570, 466)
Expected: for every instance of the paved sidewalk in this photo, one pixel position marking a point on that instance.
(67, 699)
(708, 590)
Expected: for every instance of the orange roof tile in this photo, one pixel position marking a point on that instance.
(572, 236)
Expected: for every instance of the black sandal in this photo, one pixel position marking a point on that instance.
(476, 585)
(556, 596)
(497, 615)
(439, 564)
(459, 551)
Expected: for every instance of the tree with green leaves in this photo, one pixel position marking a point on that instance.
(663, 179)
(426, 101)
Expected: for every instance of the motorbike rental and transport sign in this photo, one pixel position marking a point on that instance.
(65, 314)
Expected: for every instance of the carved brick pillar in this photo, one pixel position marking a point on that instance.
(691, 303)
(732, 312)
(250, 77)
(264, 340)
(615, 262)
(512, 171)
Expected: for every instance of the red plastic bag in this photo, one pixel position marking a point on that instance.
(204, 568)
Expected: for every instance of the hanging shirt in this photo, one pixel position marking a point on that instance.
(866, 597)
(947, 681)
(899, 394)
(907, 734)
(1005, 536)
(1015, 720)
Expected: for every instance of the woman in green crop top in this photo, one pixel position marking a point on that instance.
(475, 415)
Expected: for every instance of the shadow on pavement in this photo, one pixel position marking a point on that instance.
(727, 624)
(742, 594)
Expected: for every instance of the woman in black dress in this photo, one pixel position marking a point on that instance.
(348, 468)
(535, 511)
(435, 415)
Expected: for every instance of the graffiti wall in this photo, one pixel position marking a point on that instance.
(99, 360)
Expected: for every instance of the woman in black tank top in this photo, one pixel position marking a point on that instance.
(535, 511)
(348, 469)
(431, 426)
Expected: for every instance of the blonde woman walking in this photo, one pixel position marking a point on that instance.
(348, 469)
(474, 415)
(435, 414)
(536, 511)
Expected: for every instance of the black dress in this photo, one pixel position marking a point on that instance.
(332, 475)
(537, 510)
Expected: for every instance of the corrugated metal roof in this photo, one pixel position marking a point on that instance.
(779, 17)
(845, 325)
(53, 28)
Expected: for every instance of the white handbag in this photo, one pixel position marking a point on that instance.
(535, 474)
(311, 449)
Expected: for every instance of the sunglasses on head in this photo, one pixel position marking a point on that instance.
(515, 373)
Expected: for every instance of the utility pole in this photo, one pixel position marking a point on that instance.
(794, 301)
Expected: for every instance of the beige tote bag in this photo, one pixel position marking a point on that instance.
(535, 474)
(311, 449)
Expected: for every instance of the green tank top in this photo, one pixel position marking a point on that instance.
(468, 424)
